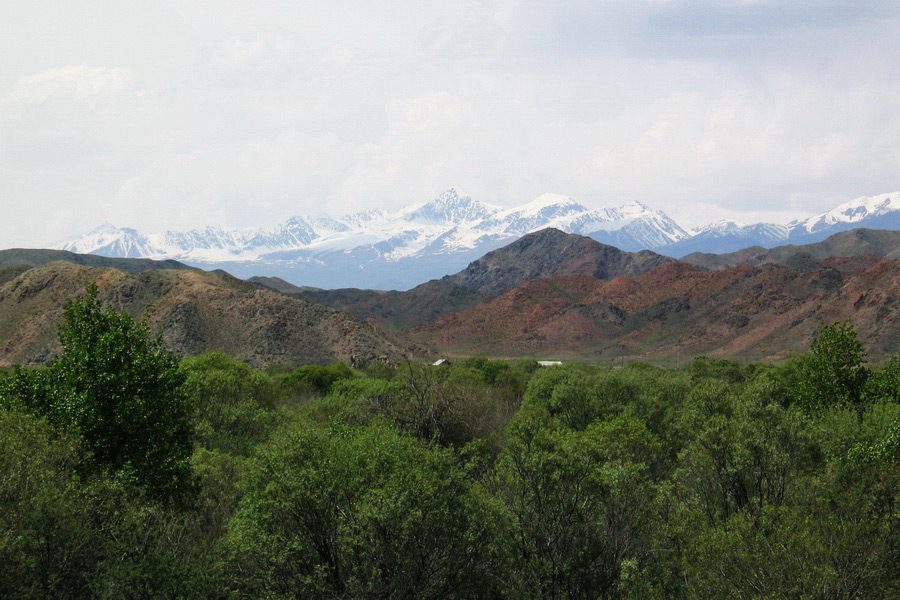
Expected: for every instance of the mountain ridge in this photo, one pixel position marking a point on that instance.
(872, 212)
(545, 253)
(196, 310)
(549, 293)
(855, 242)
(33, 257)
(754, 312)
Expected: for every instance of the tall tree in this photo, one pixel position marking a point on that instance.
(120, 388)
(834, 372)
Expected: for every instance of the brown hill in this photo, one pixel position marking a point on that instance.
(747, 312)
(545, 253)
(198, 311)
(33, 257)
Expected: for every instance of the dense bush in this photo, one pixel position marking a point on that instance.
(234, 404)
(481, 479)
(359, 512)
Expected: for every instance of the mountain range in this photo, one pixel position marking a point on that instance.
(545, 253)
(398, 250)
(381, 249)
(855, 242)
(756, 313)
(555, 295)
(872, 212)
(547, 294)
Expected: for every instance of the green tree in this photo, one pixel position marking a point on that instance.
(120, 388)
(708, 367)
(359, 512)
(581, 504)
(316, 378)
(884, 383)
(48, 547)
(233, 402)
(833, 373)
(743, 452)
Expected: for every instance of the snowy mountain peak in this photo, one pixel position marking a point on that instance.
(450, 225)
(637, 206)
(366, 217)
(105, 227)
(319, 225)
(451, 206)
(451, 196)
(110, 240)
(723, 226)
(876, 212)
(557, 203)
(854, 211)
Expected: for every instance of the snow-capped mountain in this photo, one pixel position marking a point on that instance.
(727, 236)
(382, 249)
(449, 208)
(108, 240)
(632, 227)
(874, 212)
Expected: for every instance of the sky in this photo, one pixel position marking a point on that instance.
(172, 115)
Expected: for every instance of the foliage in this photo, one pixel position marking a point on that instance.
(884, 383)
(234, 404)
(66, 532)
(46, 546)
(316, 378)
(581, 505)
(484, 478)
(121, 390)
(359, 512)
(742, 453)
(708, 367)
(834, 372)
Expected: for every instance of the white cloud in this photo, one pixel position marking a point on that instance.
(75, 82)
(254, 113)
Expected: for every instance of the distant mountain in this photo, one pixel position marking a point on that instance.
(546, 253)
(198, 311)
(856, 242)
(727, 236)
(677, 310)
(551, 253)
(872, 212)
(382, 249)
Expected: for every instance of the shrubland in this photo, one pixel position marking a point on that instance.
(125, 472)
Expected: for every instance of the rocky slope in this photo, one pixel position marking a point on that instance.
(198, 311)
(678, 310)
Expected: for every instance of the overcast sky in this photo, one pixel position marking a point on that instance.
(171, 115)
